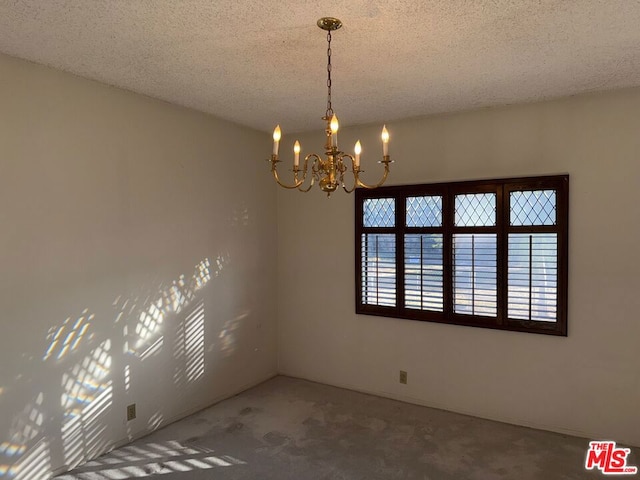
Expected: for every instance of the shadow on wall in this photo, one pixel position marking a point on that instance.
(162, 327)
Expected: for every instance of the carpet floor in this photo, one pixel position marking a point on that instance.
(287, 428)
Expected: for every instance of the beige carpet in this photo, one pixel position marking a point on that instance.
(293, 429)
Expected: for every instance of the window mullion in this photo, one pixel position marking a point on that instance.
(447, 253)
(502, 217)
(563, 251)
(401, 206)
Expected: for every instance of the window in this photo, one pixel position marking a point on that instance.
(484, 253)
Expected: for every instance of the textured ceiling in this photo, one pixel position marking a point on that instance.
(262, 62)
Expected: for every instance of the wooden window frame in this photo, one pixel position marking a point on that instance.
(502, 188)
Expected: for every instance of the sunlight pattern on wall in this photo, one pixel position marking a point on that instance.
(80, 359)
(146, 340)
(25, 427)
(189, 347)
(35, 464)
(194, 343)
(227, 336)
(67, 337)
(87, 395)
(152, 459)
(240, 217)
(150, 321)
(127, 378)
(153, 349)
(155, 421)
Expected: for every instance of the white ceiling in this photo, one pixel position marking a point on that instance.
(262, 62)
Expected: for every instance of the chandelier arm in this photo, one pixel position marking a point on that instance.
(354, 170)
(386, 161)
(274, 164)
(315, 158)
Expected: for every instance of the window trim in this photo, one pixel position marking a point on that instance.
(502, 188)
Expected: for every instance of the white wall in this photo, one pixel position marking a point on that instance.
(587, 384)
(137, 255)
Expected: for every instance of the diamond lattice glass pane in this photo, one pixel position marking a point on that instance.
(379, 212)
(475, 290)
(424, 211)
(423, 279)
(476, 210)
(537, 207)
(378, 269)
(533, 276)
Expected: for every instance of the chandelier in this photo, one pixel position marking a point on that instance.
(330, 171)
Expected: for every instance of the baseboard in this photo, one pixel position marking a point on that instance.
(203, 406)
(417, 401)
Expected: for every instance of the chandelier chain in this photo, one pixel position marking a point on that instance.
(329, 113)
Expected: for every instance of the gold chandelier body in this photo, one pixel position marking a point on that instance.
(330, 171)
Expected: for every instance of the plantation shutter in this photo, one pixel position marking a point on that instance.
(378, 253)
(423, 253)
(533, 256)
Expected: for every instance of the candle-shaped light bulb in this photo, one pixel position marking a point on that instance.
(385, 141)
(358, 150)
(296, 154)
(277, 134)
(334, 125)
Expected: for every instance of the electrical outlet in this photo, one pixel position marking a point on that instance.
(131, 412)
(403, 377)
